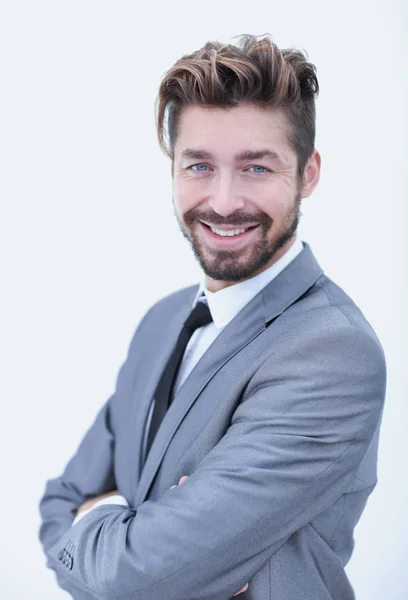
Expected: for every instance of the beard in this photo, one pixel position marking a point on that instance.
(238, 264)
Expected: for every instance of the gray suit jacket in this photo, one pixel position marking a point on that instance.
(277, 428)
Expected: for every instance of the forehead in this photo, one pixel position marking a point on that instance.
(225, 131)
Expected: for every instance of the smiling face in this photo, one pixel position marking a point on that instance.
(236, 192)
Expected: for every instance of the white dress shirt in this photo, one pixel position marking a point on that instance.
(224, 305)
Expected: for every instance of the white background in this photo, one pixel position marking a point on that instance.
(89, 240)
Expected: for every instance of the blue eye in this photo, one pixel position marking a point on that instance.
(259, 167)
(198, 165)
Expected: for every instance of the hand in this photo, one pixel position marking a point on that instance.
(243, 589)
(91, 501)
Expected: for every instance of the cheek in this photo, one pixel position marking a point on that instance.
(186, 196)
(180, 199)
(272, 201)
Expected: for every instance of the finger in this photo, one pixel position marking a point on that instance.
(173, 486)
(243, 589)
(183, 479)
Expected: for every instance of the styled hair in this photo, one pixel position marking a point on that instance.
(252, 72)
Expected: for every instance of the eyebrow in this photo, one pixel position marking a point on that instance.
(245, 155)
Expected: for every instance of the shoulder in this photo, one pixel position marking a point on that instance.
(172, 303)
(322, 353)
(327, 309)
(164, 309)
(322, 333)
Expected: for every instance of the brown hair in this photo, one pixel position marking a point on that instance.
(254, 71)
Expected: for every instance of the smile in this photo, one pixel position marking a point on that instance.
(228, 232)
(227, 238)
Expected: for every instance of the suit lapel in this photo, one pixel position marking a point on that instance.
(145, 391)
(280, 293)
(229, 341)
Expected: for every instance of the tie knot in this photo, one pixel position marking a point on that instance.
(199, 316)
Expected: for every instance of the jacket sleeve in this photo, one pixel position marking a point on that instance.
(293, 446)
(89, 473)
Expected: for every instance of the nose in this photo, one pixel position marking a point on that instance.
(224, 199)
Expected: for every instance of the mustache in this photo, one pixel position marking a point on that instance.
(234, 219)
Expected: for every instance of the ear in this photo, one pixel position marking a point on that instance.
(311, 174)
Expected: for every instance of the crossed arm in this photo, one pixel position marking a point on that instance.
(273, 472)
(89, 504)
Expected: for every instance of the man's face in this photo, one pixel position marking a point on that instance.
(224, 183)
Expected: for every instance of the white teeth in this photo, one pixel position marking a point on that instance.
(228, 233)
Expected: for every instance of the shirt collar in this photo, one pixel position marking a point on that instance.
(225, 304)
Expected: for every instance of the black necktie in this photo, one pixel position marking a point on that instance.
(199, 316)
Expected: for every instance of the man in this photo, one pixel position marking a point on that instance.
(260, 391)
